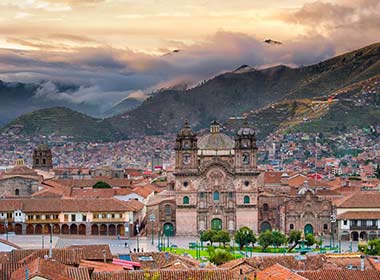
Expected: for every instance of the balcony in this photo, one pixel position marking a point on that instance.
(363, 227)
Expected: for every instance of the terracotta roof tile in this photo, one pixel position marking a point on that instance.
(357, 215)
(342, 275)
(278, 272)
(362, 200)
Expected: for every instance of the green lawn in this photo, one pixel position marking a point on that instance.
(193, 253)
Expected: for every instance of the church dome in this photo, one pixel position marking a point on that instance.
(216, 140)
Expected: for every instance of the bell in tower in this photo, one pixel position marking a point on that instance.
(186, 149)
(245, 148)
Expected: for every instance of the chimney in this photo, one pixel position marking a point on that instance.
(362, 258)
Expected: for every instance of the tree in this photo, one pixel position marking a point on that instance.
(265, 239)
(373, 247)
(377, 172)
(278, 238)
(244, 236)
(208, 235)
(101, 185)
(310, 239)
(222, 236)
(219, 256)
(294, 238)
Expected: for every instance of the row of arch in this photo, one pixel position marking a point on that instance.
(80, 229)
(359, 235)
(186, 199)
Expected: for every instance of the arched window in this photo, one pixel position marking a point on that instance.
(246, 199)
(17, 192)
(201, 195)
(265, 207)
(168, 209)
(245, 158)
(216, 196)
(43, 161)
(186, 200)
(291, 226)
(37, 161)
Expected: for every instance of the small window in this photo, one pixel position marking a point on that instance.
(291, 226)
(246, 199)
(37, 161)
(201, 195)
(245, 158)
(17, 192)
(168, 210)
(265, 207)
(246, 183)
(73, 217)
(43, 161)
(186, 184)
(186, 158)
(230, 195)
(186, 200)
(345, 222)
(325, 226)
(216, 196)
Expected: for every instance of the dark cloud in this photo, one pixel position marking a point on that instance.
(106, 75)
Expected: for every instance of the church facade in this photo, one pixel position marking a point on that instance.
(216, 180)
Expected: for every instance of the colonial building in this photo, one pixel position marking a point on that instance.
(358, 217)
(42, 157)
(215, 180)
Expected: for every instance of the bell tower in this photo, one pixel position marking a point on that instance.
(42, 157)
(186, 149)
(245, 149)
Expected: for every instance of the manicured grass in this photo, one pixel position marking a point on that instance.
(193, 252)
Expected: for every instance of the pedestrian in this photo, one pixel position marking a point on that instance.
(134, 250)
(125, 245)
(142, 250)
(118, 237)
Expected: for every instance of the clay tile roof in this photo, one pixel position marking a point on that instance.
(272, 177)
(342, 275)
(278, 272)
(6, 242)
(100, 266)
(357, 215)
(361, 200)
(44, 268)
(194, 274)
(94, 252)
(375, 262)
(93, 193)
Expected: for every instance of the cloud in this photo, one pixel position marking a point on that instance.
(349, 24)
(105, 75)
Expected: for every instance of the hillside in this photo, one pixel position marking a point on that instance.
(63, 121)
(277, 98)
(232, 94)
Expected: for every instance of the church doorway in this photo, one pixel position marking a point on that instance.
(168, 229)
(216, 224)
(308, 229)
(265, 226)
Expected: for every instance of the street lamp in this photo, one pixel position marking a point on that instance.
(51, 242)
(137, 230)
(6, 228)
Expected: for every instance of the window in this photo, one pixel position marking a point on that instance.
(84, 218)
(216, 196)
(37, 161)
(201, 195)
(345, 222)
(291, 226)
(186, 200)
(246, 183)
(230, 195)
(185, 184)
(245, 158)
(265, 207)
(186, 158)
(73, 217)
(17, 192)
(325, 226)
(96, 216)
(168, 210)
(246, 199)
(43, 161)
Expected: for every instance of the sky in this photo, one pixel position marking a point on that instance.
(114, 48)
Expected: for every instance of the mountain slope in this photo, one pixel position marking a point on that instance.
(232, 94)
(63, 121)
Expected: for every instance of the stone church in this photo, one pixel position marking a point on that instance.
(216, 180)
